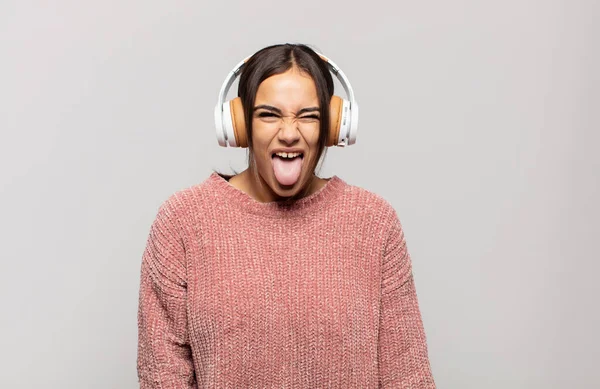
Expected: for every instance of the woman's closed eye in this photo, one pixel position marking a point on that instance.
(267, 114)
(272, 115)
(310, 117)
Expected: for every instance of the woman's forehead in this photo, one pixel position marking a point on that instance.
(289, 90)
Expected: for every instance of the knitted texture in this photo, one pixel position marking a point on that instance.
(235, 293)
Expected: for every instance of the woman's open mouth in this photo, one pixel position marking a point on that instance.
(287, 167)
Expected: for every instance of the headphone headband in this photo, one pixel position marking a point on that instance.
(333, 68)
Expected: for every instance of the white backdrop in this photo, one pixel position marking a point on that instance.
(479, 122)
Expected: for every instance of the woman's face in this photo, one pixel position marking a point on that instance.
(286, 116)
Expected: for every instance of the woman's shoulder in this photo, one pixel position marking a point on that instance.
(189, 199)
(369, 209)
(367, 198)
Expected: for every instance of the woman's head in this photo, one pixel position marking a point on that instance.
(285, 91)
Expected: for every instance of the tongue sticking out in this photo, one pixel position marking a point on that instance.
(287, 171)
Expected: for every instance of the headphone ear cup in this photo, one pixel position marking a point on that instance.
(238, 122)
(335, 119)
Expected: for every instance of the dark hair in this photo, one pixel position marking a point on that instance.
(277, 59)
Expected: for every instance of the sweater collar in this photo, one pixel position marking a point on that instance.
(306, 205)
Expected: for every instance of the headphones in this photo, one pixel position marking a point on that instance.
(231, 125)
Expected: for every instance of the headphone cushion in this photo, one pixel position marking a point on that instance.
(239, 123)
(335, 119)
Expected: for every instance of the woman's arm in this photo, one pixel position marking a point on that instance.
(164, 355)
(403, 356)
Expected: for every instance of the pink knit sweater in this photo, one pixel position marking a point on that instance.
(241, 294)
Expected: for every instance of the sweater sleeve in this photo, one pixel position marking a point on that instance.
(403, 355)
(164, 358)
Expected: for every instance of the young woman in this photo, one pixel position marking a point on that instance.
(275, 277)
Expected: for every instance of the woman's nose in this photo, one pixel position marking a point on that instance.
(289, 131)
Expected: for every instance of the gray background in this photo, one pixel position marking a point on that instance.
(479, 123)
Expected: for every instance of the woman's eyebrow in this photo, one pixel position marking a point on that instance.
(309, 109)
(268, 107)
(277, 110)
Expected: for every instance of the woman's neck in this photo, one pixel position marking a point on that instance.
(250, 182)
